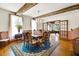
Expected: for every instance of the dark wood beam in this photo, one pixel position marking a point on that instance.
(67, 9)
(26, 7)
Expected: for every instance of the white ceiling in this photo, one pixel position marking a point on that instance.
(43, 8)
(14, 7)
(62, 16)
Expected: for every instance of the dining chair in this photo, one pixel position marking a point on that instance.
(27, 37)
(45, 40)
(45, 36)
(27, 42)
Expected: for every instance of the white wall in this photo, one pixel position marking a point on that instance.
(26, 22)
(72, 17)
(4, 20)
(39, 23)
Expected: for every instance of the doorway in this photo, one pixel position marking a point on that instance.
(54, 28)
(58, 29)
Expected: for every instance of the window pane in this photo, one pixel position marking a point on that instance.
(34, 25)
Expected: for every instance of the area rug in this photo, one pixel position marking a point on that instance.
(17, 49)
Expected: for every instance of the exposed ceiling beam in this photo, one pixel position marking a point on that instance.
(26, 7)
(70, 8)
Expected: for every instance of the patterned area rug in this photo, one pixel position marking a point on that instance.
(54, 42)
(17, 49)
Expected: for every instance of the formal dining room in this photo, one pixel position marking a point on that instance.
(39, 29)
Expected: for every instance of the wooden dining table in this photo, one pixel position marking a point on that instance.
(36, 39)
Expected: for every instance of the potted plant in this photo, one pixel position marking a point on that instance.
(19, 27)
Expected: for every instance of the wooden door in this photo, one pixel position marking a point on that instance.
(64, 29)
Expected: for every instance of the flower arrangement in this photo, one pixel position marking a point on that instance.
(19, 27)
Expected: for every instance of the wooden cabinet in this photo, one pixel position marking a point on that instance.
(18, 36)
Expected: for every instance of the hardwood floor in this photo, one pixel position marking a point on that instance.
(7, 51)
(63, 49)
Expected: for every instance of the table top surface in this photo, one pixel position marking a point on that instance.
(36, 35)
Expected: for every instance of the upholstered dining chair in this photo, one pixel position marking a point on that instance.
(45, 36)
(45, 40)
(27, 42)
(27, 37)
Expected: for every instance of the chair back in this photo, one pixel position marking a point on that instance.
(45, 36)
(27, 37)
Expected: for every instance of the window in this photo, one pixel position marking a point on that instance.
(15, 22)
(34, 25)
